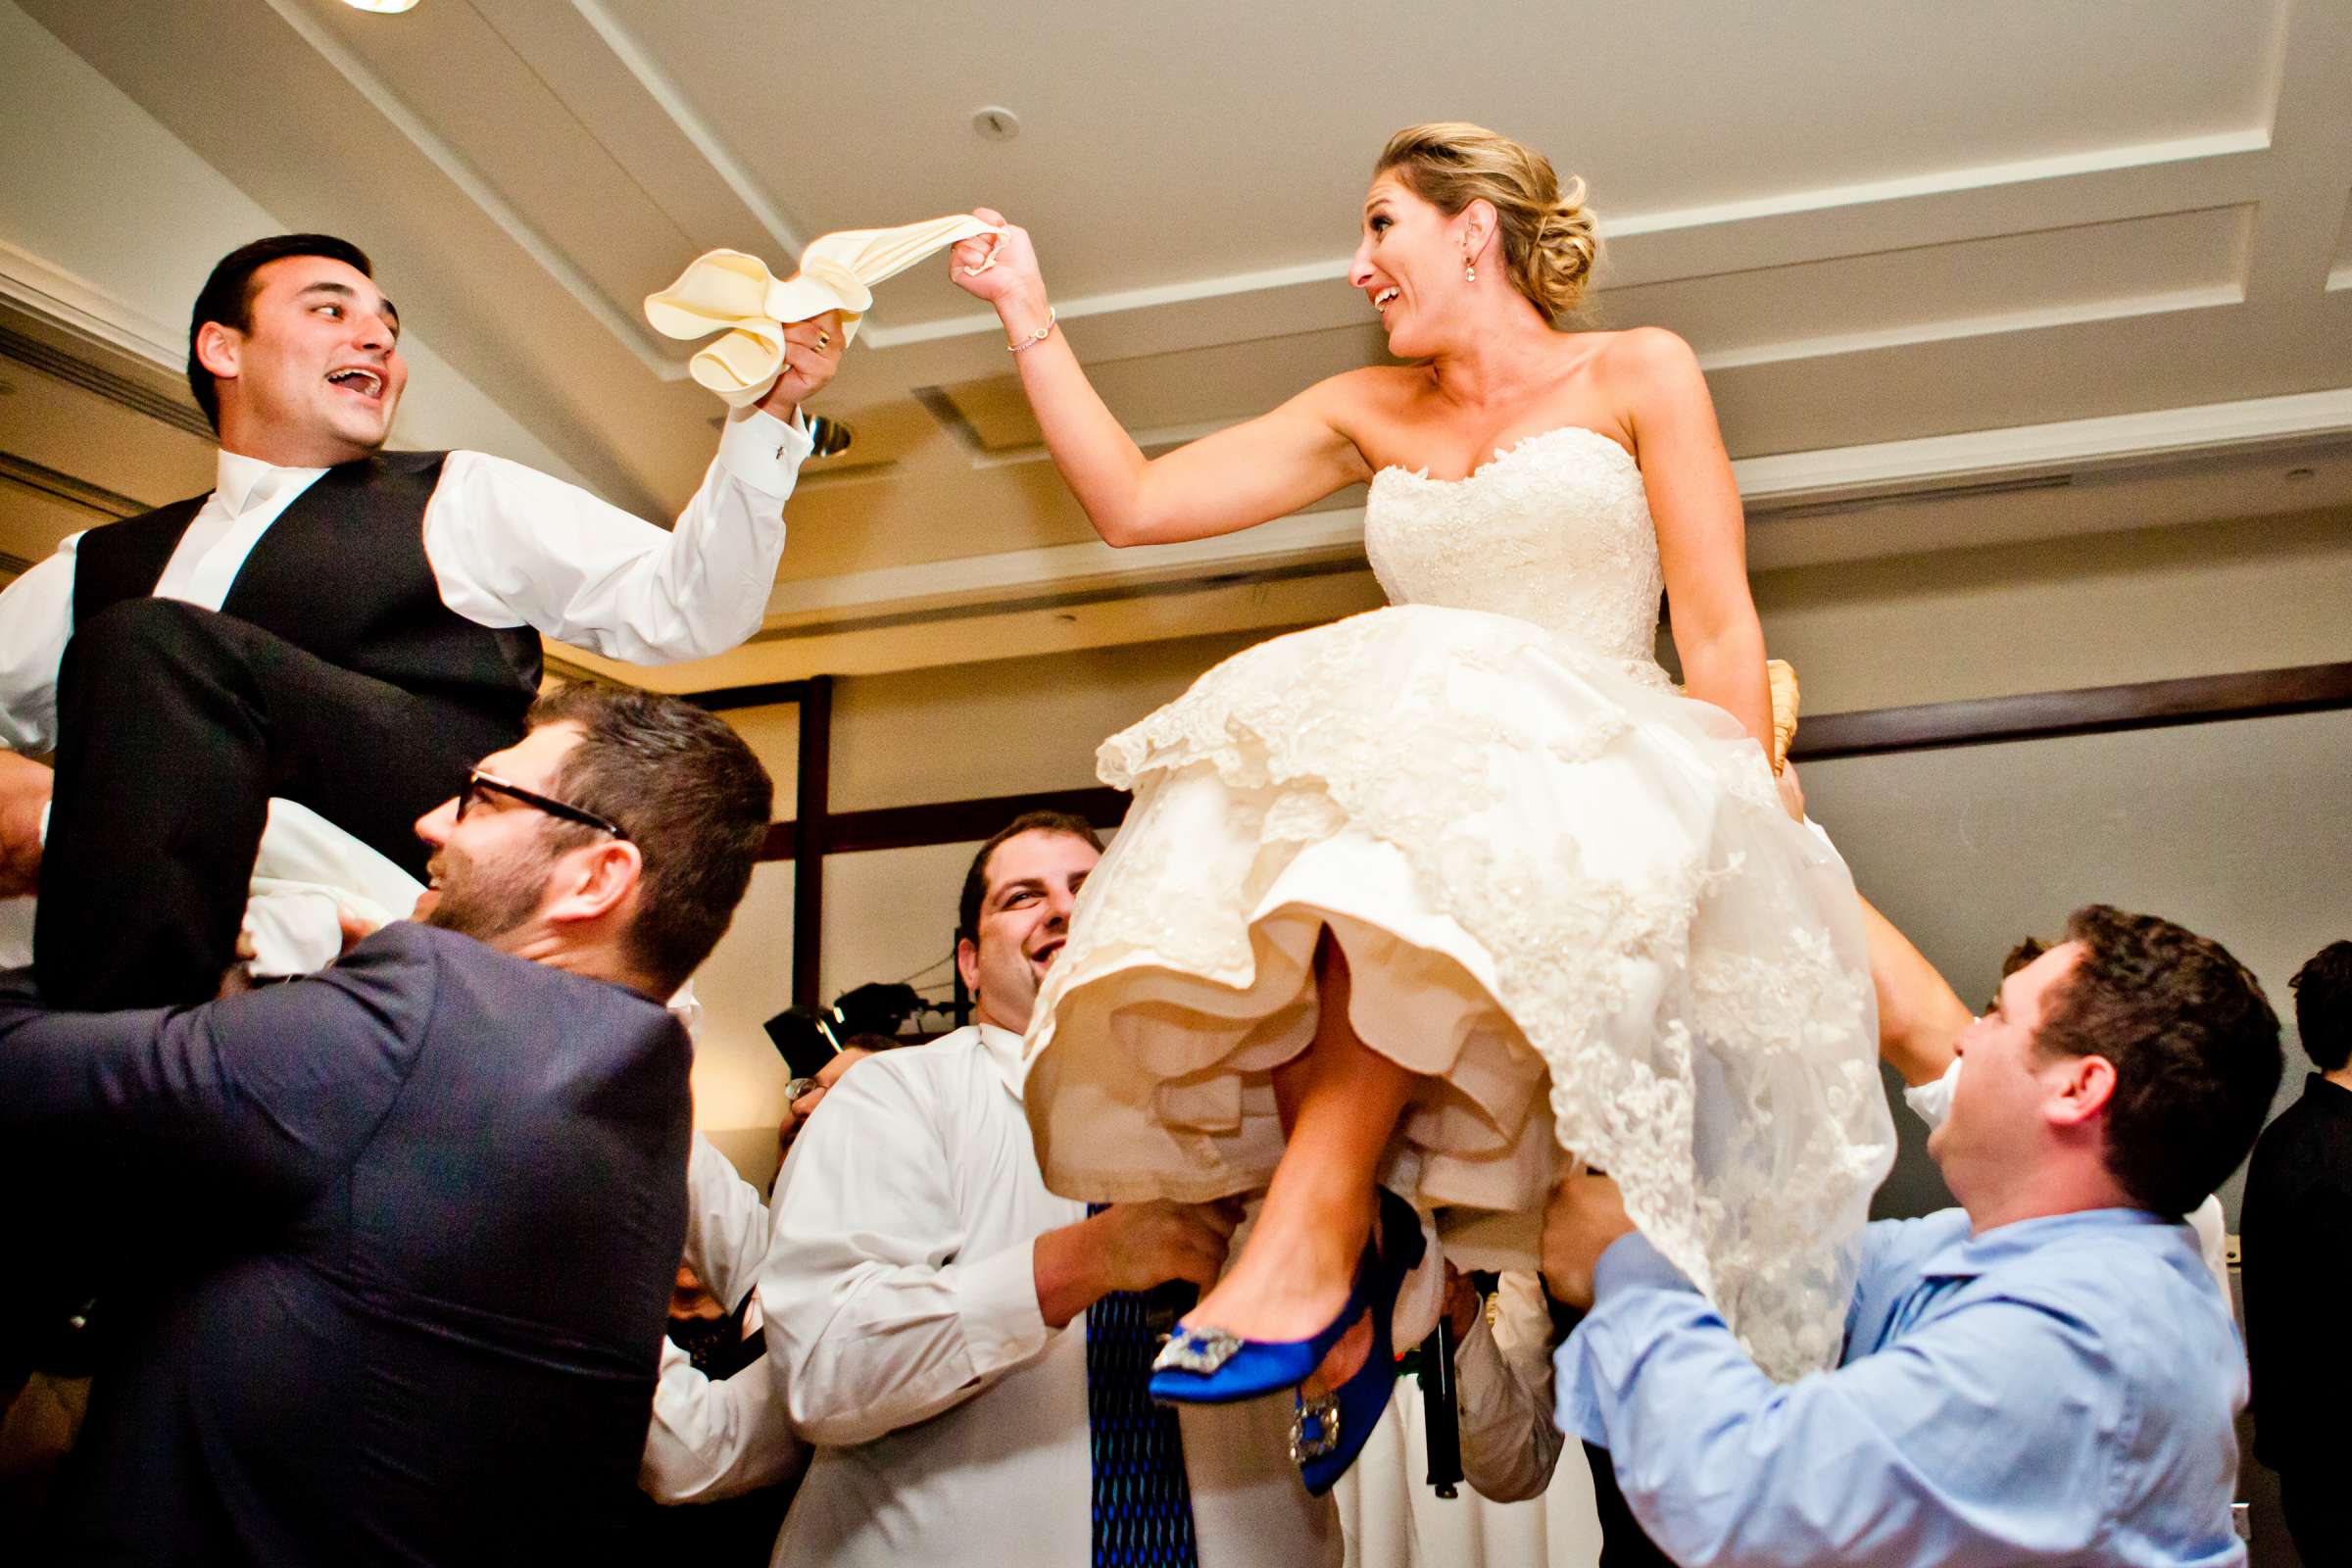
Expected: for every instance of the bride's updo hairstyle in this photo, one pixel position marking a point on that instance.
(1550, 243)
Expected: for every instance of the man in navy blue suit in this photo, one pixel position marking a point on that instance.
(406, 1229)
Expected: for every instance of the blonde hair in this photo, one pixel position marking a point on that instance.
(1550, 242)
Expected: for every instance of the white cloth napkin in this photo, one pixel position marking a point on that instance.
(307, 874)
(730, 292)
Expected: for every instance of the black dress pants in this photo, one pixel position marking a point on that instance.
(1623, 1542)
(176, 725)
(2319, 1518)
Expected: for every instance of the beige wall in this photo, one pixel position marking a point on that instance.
(2114, 607)
(2091, 612)
(2237, 830)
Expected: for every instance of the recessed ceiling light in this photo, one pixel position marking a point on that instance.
(827, 436)
(383, 7)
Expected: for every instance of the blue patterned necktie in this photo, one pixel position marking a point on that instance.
(1142, 1504)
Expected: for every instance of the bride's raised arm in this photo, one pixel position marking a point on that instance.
(1254, 472)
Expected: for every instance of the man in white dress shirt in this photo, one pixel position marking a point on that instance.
(713, 1438)
(332, 625)
(928, 1307)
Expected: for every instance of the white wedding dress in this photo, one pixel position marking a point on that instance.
(1568, 896)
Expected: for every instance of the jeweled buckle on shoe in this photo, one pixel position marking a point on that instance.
(1315, 1428)
(1200, 1351)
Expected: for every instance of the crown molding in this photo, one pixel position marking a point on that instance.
(671, 100)
(1767, 484)
(104, 504)
(2098, 166)
(52, 292)
(639, 339)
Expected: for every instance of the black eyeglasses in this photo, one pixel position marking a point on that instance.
(479, 783)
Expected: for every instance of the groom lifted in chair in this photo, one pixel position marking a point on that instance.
(333, 625)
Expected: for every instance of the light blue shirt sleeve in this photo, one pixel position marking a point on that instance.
(1985, 1436)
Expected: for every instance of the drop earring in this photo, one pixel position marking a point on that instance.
(1469, 266)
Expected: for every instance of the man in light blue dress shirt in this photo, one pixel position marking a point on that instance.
(2044, 1375)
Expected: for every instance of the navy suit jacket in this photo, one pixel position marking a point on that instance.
(394, 1252)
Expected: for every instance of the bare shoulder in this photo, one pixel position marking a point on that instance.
(1646, 353)
(1374, 391)
(1365, 408)
(1653, 376)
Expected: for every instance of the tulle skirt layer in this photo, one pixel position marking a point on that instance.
(1570, 902)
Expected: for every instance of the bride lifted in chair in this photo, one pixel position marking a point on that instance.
(1411, 905)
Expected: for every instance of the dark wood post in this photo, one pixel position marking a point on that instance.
(809, 821)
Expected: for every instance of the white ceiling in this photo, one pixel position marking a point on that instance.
(1921, 248)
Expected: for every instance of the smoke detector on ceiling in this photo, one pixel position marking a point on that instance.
(996, 124)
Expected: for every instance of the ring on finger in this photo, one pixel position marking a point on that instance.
(824, 339)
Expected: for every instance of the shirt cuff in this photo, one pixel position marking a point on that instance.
(996, 1301)
(763, 451)
(1631, 1261)
(1479, 1374)
(1931, 1101)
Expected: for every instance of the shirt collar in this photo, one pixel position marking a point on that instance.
(1972, 1256)
(2327, 1095)
(1003, 1049)
(243, 483)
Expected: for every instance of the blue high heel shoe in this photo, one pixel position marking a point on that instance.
(1331, 1430)
(1209, 1366)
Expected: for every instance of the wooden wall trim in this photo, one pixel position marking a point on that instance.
(2086, 711)
(1870, 732)
(906, 827)
(812, 837)
(769, 694)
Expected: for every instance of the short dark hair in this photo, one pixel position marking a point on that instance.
(2193, 1042)
(975, 880)
(2322, 990)
(227, 297)
(2026, 951)
(695, 802)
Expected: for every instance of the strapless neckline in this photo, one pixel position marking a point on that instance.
(1503, 455)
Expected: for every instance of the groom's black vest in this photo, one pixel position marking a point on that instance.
(341, 574)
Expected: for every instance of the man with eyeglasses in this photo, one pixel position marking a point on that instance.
(407, 1228)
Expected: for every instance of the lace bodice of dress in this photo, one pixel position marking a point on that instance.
(1554, 530)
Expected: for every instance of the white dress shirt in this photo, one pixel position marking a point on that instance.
(718, 1439)
(1523, 1508)
(902, 1324)
(1932, 1103)
(1503, 1385)
(510, 546)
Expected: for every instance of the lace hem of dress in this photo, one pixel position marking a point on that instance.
(1708, 1043)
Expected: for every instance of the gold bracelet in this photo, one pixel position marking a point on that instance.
(1036, 337)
